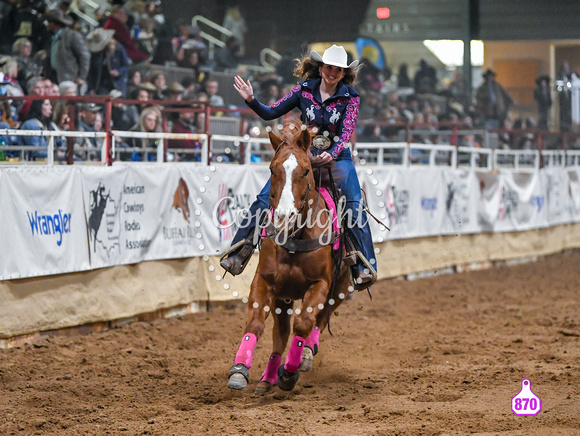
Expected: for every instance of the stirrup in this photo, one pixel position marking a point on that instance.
(367, 265)
(237, 264)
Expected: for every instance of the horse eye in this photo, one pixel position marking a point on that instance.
(306, 172)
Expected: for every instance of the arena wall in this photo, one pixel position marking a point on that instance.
(103, 296)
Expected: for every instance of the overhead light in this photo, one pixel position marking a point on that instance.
(450, 51)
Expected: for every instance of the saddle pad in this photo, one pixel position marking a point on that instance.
(332, 208)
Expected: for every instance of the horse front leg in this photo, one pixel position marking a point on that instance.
(304, 323)
(258, 300)
(280, 334)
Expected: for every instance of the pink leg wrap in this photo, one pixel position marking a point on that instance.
(246, 351)
(294, 356)
(271, 372)
(313, 339)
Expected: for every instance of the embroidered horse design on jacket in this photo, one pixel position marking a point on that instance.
(335, 116)
(310, 113)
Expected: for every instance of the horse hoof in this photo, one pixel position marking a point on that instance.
(287, 380)
(263, 388)
(239, 377)
(237, 381)
(307, 360)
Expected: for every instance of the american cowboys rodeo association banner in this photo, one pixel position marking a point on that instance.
(65, 219)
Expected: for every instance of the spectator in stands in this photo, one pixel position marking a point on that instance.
(196, 43)
(6, 116)
(123, 116)
(190, 85)
(159, 81)
(192, 59)
(149, 121)
(543, 97)
(109, 62)
(118, 22)
(68, 89)
(68, 57)
(35, 86)
(493, 102)
(564, 82)
(61, 122)
(164, 32)
(133, 83)
(87, 123)
(27, 66)
(146, 91)
(425, 80)
(227, 57)
(212, 88)
(39, 118)
(9, 66)
(235, 23)
(403, 80)
(26, 22)
(174, 92)
(185, 124)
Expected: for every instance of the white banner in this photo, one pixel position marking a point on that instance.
(65, 219)
(574, 190)
(43, 222)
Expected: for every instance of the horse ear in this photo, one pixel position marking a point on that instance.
(274, 140)
(305, 140)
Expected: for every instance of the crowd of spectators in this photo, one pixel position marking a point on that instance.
(55, 53)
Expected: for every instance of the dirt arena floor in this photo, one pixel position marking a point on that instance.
(435, 356)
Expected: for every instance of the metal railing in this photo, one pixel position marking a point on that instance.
(212, 40)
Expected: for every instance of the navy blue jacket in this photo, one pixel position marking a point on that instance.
(337, 115)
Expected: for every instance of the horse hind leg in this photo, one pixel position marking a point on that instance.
(313, 340)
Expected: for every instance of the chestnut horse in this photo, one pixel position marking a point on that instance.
(303, 268)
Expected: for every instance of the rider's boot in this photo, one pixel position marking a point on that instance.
(237, 257)
(363, 273)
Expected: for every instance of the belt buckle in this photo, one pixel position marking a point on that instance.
(321, 142)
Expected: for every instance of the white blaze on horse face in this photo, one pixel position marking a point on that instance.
(286, 207)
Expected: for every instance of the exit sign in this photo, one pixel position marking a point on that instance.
(383, 13)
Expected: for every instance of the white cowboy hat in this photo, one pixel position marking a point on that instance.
(335, 55)
(98, 39)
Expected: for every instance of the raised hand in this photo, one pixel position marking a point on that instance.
(244, 88)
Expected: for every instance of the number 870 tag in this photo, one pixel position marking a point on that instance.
(526, 402)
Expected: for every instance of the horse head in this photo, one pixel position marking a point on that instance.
(291, 174)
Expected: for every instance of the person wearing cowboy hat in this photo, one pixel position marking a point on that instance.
(329, 104)
(68, 57)
(109, 62)
(493, 101)
(543, 97)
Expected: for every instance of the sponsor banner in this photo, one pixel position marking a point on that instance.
(557, 196)
(521, 202)
(574, 190)
(124, 206)
(218, 198)
(388, 200)
(60, 220)
(43, 222)
(408, 203)
(462, 197)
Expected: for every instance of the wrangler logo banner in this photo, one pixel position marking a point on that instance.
(43, 222)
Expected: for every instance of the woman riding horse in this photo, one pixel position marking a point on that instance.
(330, 105)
